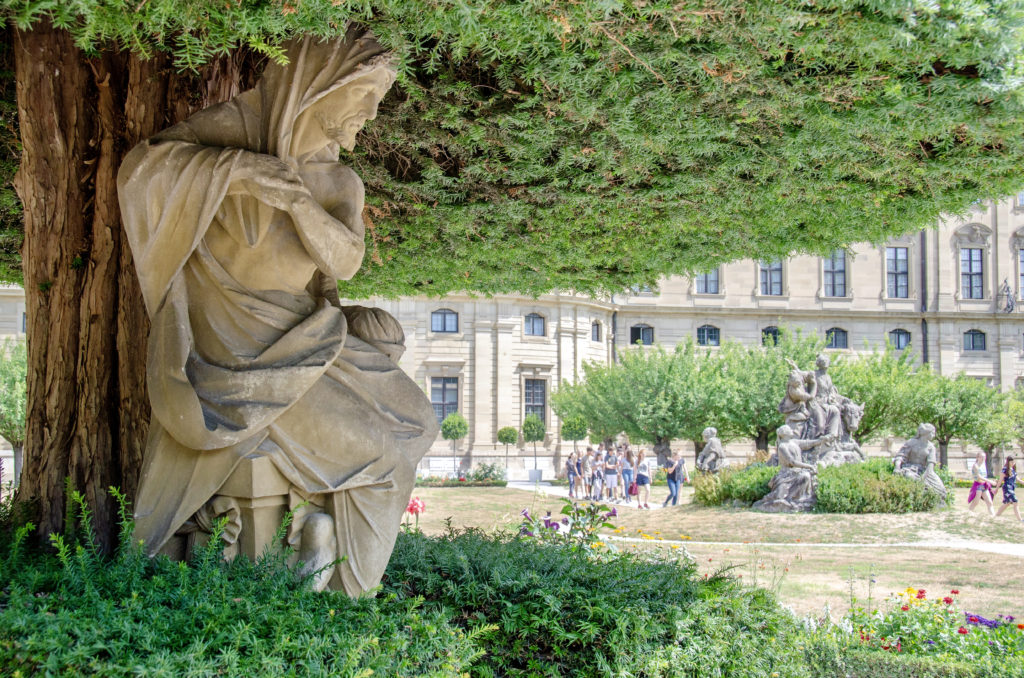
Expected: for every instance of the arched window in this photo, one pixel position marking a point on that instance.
(534, 326)
(708, 335)
(641, 333)
(444, 320)
(899, 339)
(595, 331)
(974, 340)
(770, 335)
(836, 337)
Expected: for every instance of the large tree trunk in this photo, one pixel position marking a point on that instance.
(943, 454)
(698, 445)
(761, 441)
(88, 413)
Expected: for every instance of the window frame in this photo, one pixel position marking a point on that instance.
(831, 336)
(642, 328)
(448, 384)
(706, 279)
(595, 330)
(974, 334)
(766, 279)
(904, 336)
(972, 281)
(445, 314)
(706, 340)
(770, 331)
(893, 277)
(829, 274)
(529, 324)
(529, 393)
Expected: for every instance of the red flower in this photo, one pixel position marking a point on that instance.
(955, 592)
(416, 506)
(920, 594)
(462, 480)
(905, 608)
(1020, 626)
(972, 619)
(962, 631)
(947, 600)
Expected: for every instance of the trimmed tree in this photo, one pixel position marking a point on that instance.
(13, 363)
(454, 428)
(544, 136)
(533, 431)
(574, 428)
(507, 435)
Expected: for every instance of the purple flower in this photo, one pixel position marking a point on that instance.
(1008, 618)
(611, 514)
(565, 521)
(526, 514)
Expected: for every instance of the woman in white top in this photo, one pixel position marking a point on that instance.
(982, 488)
(644, 475)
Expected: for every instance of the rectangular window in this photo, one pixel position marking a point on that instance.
(1020, 274)
(642, 333)
(533, 397)
(444, 321)
(534, 325)
(707, 283)
(771, 278)
(444, 396)
(835, 274)
(974, 340)
(595, 332)
(971, 273)
(897, 273)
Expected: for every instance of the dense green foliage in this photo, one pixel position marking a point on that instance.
(454, 427)
(883, 382)
(870, 487)
(11, 230)
(599, 145)
(13, 367)
(574, 427)
(561, 612)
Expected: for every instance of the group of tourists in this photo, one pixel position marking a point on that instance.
(982, 490)
(614, 473)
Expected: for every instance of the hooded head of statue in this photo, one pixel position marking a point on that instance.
(318, 101)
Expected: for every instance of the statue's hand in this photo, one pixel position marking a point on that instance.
(270, 180)
(377, 328)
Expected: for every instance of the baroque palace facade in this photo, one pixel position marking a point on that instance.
(954, 295)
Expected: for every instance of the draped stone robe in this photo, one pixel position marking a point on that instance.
(253, 369)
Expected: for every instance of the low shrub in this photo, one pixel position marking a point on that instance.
(749, 484)
(79, 613)
(563, 612)
(707, 487)
(871, 487)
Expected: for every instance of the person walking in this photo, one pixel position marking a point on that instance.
(981, 490)
(597, 478)
(571, 474)
(674, 475)
(1009, 485)
(587, 470)
(628, 464)
(611, 475)
(644, 475)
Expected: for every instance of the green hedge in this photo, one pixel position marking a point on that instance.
(433, 481)
(870, 487)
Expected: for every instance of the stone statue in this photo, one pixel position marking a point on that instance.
(793, 487)
(814, 408)
(267, 394)
(712, 457)
(917, 459)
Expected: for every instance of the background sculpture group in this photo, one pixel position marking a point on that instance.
(267, 395)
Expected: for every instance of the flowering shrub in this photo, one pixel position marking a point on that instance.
(914, 623)
(577, 528)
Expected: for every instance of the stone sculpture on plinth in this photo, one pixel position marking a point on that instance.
(267, 394)
(793, 488)
(712, 457)
(814, 408)
(917, 460)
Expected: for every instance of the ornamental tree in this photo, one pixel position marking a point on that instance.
(533, 431)
(574, 428)
(507, 435)
(454, 428)
(592, 145)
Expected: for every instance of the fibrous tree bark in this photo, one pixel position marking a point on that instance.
(88, 412)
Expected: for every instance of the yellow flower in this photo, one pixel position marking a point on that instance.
(675, 546)
(598, 544)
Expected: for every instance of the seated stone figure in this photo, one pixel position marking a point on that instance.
(917, 459)
(793, 487)
(266, 393)
(712, 457)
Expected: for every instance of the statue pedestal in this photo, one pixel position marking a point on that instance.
(262, 496)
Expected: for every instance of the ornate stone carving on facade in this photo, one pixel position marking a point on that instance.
(917, 460)
(712, 457)
(815, 409)
(794, 487)
(973, 234)
(268, 395)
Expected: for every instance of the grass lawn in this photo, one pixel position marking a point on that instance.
(780, 550)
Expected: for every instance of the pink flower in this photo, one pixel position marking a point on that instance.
(416, 506)
(962, 631)
(947, 600)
